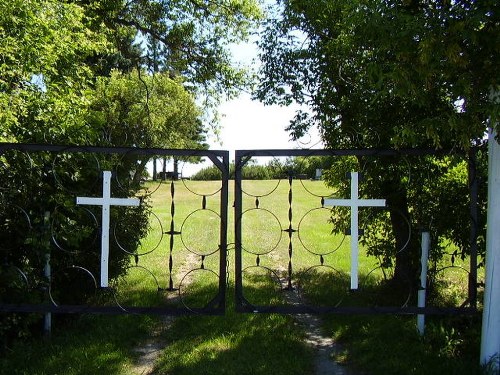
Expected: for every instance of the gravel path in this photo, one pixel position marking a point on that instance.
(325, 347)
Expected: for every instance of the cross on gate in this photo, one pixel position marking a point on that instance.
(106, 202)
(354, 202)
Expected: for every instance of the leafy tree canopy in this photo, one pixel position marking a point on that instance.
(145, 111)
(43, 74)
(385, 73)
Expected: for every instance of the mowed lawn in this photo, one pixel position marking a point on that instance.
(244, 343)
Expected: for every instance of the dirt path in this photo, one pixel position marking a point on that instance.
(149, 351)
(325, 347)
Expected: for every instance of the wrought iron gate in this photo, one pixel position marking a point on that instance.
(53, 213)
(288, 258)
(51, 254)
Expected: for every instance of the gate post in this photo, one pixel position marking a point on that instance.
(423, 281)
(490, 335)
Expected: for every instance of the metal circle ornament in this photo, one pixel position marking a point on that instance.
(200, 232)
(199, 289)
(261, 231)
(73, 285)
(315, 232)
(147, 244)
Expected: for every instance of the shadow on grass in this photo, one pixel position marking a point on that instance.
(91, 344)
(324, 286)
(388, 344)
(236, 344)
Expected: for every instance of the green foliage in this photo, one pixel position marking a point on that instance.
(272, 170)
(182, 38)
(381, 74)
(141, 110)
(384, 75)
(43, 75)
(249, 172)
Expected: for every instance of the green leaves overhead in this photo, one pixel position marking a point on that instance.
(192, 36)
(43, 72)
(54, 54)
(416, 73)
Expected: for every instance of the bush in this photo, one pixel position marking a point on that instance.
(33, 184)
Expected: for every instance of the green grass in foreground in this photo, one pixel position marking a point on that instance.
(89, 344)
(235, 344)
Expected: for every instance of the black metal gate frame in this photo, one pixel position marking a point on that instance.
(218, 306)
(220, 159)
(244, 306)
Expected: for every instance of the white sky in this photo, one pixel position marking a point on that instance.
(247, 124)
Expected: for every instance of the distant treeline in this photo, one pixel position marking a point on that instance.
(305, 167)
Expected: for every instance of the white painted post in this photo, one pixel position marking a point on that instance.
(354, 203)
(106, 202)
(490, 335)
(426, 239)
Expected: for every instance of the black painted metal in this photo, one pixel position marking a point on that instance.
(107, 300)
(287, 282)
(217, 305)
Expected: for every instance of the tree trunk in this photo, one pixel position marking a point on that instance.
(176, 169)
(164, 176)
(407, 256)
(139, 171)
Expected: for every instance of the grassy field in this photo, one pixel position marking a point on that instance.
(246, 343)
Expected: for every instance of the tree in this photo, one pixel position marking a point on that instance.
(384, 74)
(141, 110)
(187, 38)
(43, 76)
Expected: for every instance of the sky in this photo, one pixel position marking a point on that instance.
(247, 124)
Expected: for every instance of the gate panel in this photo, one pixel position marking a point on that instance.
(69, 222)
(295, 239)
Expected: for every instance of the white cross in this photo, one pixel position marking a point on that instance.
(355, 203)
(106, 202)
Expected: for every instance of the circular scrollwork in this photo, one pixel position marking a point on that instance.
(200, 232)
(261, 231)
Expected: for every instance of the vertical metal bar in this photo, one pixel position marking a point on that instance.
(223, 271)
(473, 189)
(47, 318)
(238, 208)
(290, 232)
(172, 233)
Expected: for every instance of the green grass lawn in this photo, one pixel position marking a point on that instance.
(246, 343)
